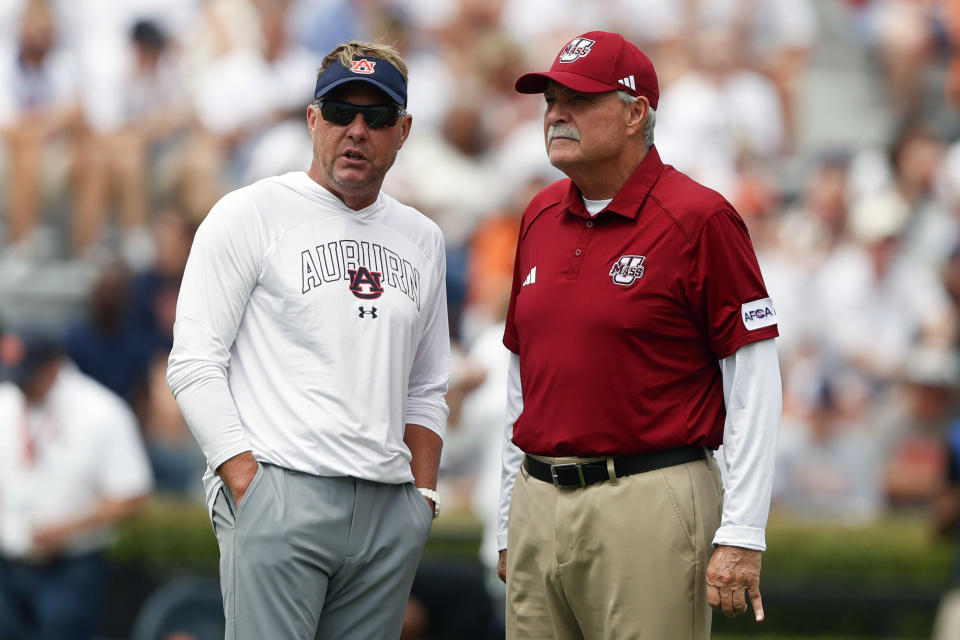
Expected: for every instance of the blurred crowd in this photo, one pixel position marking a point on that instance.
(123, 122)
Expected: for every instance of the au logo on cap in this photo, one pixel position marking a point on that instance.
(575, 49)
(363, 66)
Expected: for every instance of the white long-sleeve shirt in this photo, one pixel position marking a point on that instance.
(310, 333)
(753, 399)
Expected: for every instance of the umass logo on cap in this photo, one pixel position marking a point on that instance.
(576, 49)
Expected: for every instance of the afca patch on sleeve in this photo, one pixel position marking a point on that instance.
(758, 314)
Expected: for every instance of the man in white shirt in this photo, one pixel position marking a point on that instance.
(311, 359)
(71, 465)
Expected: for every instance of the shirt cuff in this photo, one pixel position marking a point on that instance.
(426, 414)
(747, 537)
(223, 456)
(501, 541)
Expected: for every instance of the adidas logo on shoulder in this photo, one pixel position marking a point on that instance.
(531, 277)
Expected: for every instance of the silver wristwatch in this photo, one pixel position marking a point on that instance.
(433, 495)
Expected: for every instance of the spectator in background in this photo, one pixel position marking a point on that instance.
(137, 121)
(461, 188)
(153, 292)
(460, 459)
(828, 466)
(499, 61)
(916, 157)
(490, 268)
(281, 145)
(756, 197)
(245, 93)
(40, 118)
(225, 96)
(774, 37)
(71, 466)
(458, 191)
(718, 114)
(890, 301)
(130, 316)
(904, 35)
(913, 424)
(784, 34)
(808, 231)
(816, 224)
(491, 251)
(106, 345)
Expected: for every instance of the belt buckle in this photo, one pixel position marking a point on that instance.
(556, 481)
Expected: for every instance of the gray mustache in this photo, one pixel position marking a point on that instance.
(562, 131)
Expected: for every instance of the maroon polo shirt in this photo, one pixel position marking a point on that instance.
(619, 320)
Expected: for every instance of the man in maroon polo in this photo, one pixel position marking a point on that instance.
(642, 339)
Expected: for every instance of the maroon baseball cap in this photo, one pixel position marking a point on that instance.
(595, 62)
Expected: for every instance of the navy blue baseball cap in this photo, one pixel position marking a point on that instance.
(376, 71)
(23, 353)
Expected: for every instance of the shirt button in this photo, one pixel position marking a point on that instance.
(589, 224)
(577, 252)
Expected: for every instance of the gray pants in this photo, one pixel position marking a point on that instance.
(305, 557)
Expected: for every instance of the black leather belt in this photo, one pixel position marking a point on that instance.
(582, 474)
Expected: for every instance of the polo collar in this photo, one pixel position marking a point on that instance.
(628, 200)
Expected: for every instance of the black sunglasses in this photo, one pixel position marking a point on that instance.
(377, 116)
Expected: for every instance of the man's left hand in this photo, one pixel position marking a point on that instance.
(733, 575)
(48, 542)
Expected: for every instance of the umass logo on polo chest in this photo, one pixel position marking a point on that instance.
(365, 267)
(627, 270)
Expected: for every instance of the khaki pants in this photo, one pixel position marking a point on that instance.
(947, 624)
(624, 560)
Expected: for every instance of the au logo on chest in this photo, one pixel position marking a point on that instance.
(366, 268)
(627, 270)
(365, 284)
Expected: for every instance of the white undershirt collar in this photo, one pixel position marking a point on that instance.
(596, 206)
